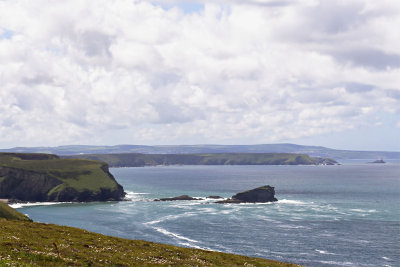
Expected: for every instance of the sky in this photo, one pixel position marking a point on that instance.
(107, 72)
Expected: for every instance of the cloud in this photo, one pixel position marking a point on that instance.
(254, 71)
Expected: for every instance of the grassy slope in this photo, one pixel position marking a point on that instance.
(134, 159)
(11, 214)
(28, 243)
(77, 173)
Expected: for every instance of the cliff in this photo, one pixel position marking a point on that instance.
(43, 177)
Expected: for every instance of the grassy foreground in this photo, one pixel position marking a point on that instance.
(38, 244)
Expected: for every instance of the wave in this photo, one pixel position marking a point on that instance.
(198, 247)
(184, 241)
(30, 204)
(171, 217)
(134, 196)
(361, 210)
(168, 233)
(337, 263)
(287, 226)
(324, 252)
(293, 202)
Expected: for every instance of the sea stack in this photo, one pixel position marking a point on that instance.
(257, 195)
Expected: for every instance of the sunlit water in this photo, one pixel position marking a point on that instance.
(346, 215)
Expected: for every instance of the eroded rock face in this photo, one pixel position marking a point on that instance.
(25, 185)
(260, 194)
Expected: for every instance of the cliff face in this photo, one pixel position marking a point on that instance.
(25, 185)
(53, 179)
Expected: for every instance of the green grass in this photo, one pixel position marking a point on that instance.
(38, 244)
(9, 213)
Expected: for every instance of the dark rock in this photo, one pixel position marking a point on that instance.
(378, 161)
(260, 194)
(26, 185)
(183, 197)
(214, 197)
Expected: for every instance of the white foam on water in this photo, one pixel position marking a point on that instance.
(208, 210)
(386, 258)
(30, 204)
(195, 246)
(170, 234)
(226, 211)
(135, 196)
(346, 263)
(362, 211)
(293, 202)
(324, 252)
(171, 217)
(287, 226)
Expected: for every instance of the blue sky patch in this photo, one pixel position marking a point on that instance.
(186, 7)
(6, 34)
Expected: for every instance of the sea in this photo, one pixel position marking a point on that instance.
(342, 215)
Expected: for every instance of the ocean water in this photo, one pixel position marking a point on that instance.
(347, 215)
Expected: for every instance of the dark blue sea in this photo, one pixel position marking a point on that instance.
(346, 215)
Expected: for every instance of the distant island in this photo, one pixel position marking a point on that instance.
(45, 177)
(140, 160)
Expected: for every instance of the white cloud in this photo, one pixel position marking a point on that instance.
(263, 71)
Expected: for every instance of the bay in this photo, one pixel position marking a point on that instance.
(346, 215)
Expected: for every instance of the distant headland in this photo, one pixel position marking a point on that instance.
(141, 160)
(46, 177)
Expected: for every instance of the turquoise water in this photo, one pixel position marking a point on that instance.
(345, 215)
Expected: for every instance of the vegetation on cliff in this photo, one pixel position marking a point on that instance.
(9, 213)
(43, 177)
(139, 160)
(38, 244)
